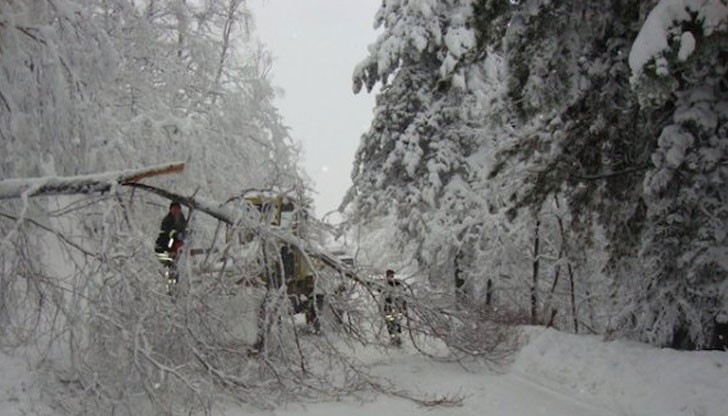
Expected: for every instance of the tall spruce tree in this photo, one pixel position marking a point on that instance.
(684, 246)
(411, 163)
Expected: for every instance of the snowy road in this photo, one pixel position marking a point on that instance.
(484, 392)
(555, 374)
(491, 396)
(516, 395)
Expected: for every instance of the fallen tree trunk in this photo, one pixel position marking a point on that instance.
(104, 182)
(82, 184)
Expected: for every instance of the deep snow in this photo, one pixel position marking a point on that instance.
(554, 374)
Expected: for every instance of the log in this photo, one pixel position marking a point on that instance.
(83, 184)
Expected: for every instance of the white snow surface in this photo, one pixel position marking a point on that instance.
(554, 374)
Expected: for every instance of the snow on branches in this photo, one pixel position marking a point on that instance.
(665, 26)
(83, 184)
(414, 30)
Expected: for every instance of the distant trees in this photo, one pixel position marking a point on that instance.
(584, 169)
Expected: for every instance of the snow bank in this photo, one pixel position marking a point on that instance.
(628, 378)
(555, 374)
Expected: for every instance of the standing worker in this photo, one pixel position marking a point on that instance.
(395, 307)
(171, 239)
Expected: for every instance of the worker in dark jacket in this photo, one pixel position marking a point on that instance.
(171, 235)
(395, 307)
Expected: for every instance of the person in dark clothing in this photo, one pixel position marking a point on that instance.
(171, 236)
(395, 307)
(720, 331)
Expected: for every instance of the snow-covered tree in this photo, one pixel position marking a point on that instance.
(585, 134)
(412, 163)
(192, 83)
(564, 141)
(88, 86)
(679, 61)
(613, 109)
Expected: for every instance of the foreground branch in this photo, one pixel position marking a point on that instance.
(232, 217)
(83, 184)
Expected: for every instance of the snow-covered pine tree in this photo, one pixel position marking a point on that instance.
(452, 218)
(620, 159)
(412, 162)
(565, 122)
(680, 62)
(564, 141)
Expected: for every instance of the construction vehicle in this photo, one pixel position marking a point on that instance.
(287, 264)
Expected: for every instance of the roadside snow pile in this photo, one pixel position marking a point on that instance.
(628, 378)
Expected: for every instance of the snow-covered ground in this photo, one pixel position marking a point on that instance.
(554, 374)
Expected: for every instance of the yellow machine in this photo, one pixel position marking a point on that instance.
(287, 263)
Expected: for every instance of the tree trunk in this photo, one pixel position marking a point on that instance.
(181, 29)
(489, 293)
(557, 274)
(534, 277)
(557, 267)
(227, 29)
(82, 184)
(573, 299)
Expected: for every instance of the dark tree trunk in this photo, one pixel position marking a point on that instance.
(573, 299)
(534, 277)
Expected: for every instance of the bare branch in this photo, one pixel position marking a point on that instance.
(52, 231)
(608, 175)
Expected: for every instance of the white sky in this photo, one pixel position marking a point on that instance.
(317, 44)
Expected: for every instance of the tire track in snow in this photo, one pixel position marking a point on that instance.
(563, 394)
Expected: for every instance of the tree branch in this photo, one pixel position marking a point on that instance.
(52, 231)
(608, 175)
(229, 216)
(84, 184)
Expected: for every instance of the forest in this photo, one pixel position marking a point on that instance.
(535, 162)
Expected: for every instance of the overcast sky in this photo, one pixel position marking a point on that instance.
(317, 44)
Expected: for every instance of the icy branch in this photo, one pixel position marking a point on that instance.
(57, 233)
(229, 216)
(84, 184)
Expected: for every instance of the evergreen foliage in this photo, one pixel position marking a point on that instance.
(616, 108)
